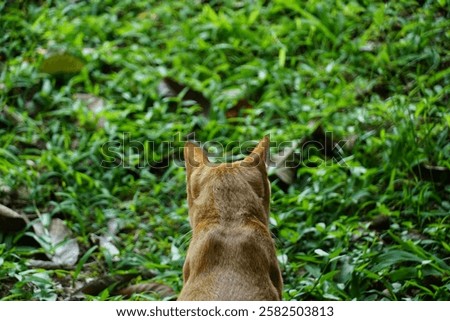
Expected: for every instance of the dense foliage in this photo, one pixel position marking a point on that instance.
(96, 97)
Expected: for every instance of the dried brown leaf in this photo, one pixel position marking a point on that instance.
(96, 286)
(169, 87)
(241, 105)
(436, 174)
(286, 163)
(10, 220)
(48, 265)
(7, 212)
(161, 289)
(65, 250)
(318, 136)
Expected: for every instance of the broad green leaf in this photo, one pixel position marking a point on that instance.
(61, 64)
(392, 257)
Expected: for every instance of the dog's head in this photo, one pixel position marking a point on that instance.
(227, 191)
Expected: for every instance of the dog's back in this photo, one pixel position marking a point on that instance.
(231, 255)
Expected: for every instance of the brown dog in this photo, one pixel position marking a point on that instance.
(231, 255)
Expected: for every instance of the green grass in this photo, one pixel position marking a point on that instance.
(77, 76)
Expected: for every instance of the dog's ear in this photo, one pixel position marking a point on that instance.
(259, 155)
(194, 157)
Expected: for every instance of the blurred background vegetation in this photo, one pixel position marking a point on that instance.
(360, 89)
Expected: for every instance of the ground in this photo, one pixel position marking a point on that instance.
(96, 99)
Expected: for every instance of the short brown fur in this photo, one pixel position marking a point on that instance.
(231, 255)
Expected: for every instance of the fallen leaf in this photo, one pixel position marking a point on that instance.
(289, 159)
(10, 220)
(97, 285)
(161, 289)
(286, 175)
(351, 141)
(436, 174)
(380, 223)
(321, 252)
(94, 103)
(286, 163)
(234, 111)
(107, 245)
(61, 64)
(106, 240)
(113, 226)
(7, 212)
(61, 248)
(319, 137)
(169, 87)
(48, 265)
